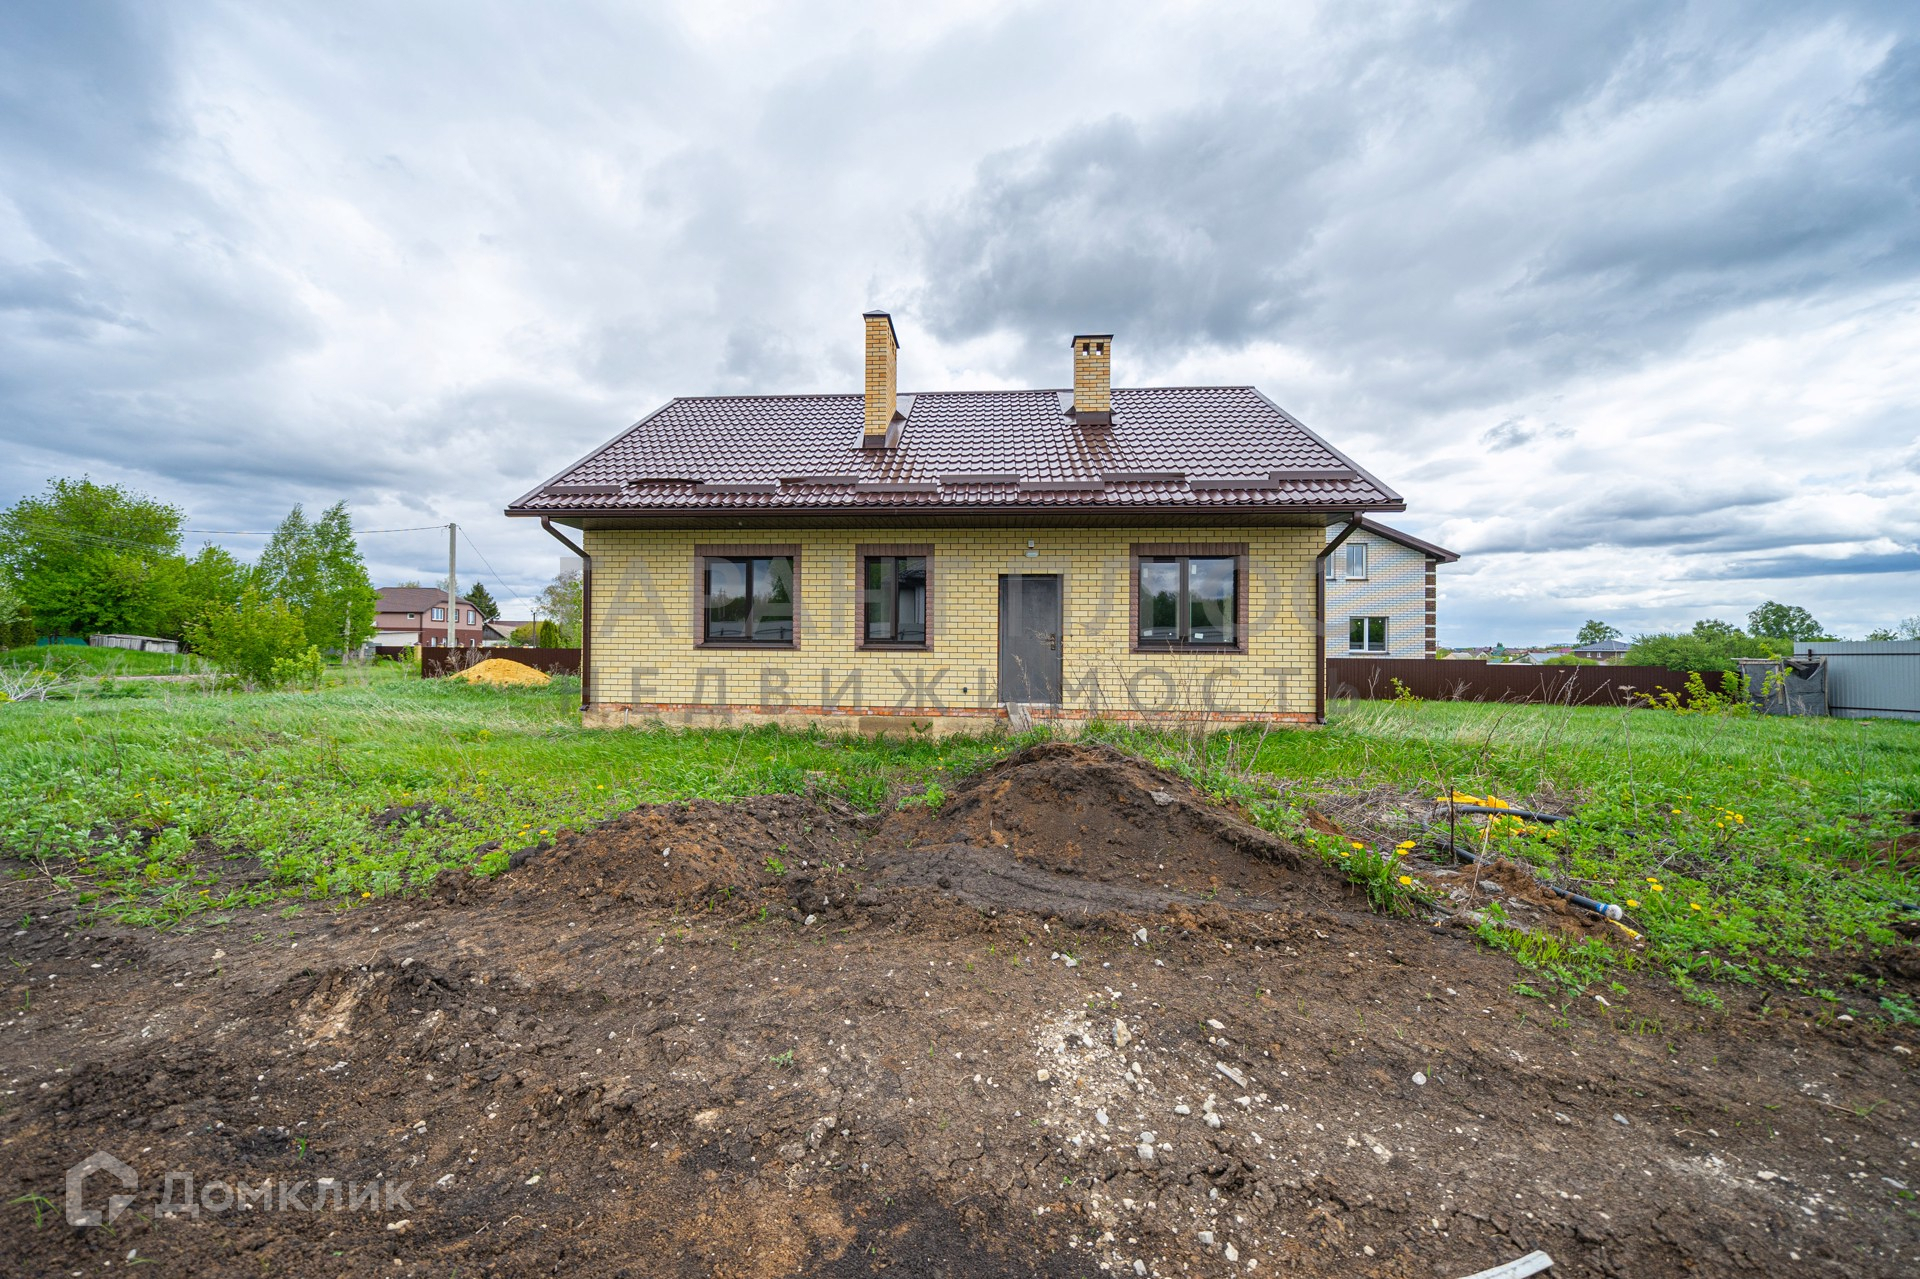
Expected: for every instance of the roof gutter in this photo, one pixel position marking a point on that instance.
(1320, 616)
(586, 609)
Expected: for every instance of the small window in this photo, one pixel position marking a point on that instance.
(894, 599)
(1366, 634)
(411, 616)
(1333, 567)
(749, 600)
(1188, 600)
(469, 617)
(1356, 561)
(439, 614)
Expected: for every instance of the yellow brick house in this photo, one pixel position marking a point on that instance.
(951, 560)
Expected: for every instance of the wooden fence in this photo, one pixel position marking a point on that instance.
(1477, 681)
(435, 662)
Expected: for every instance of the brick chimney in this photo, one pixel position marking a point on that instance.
(1093, 378)
(882, 391)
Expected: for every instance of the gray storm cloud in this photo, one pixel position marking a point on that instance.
(1621, 295)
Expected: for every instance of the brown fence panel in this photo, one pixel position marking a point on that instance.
(1475, 681)
(435, 662)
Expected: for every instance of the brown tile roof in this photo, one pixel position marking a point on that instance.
(1409, 541)
(1198, 448)
(414, 599)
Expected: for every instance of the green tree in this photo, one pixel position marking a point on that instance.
(252, 640)
(1783, 621)
(211, 580)
(89, 557)
(561, 600)
(344, 612)
(16, 623)
(482, 601)
(1715, 631)
(548, 635)
(1907, 628)
(527, 636)
(288, 569)
(315, 566)
(1595, 632)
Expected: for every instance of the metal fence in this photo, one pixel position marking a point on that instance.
(435, 662)
(1870, 678)
(1474, 681)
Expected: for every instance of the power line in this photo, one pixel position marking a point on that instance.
(497, 575)
(361, 532)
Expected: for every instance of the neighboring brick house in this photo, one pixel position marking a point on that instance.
(1380, 588)
(416, 616)
(956, 559)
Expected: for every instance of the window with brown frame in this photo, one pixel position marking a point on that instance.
(894, 601)
(1189, 597)
(746, 598)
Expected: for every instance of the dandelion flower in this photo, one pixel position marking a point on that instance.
(366, 894)
(1632, 904)
(1407, 880)
(1658, 889)
(1696, 905)
(1357, 846)
(1405, 843)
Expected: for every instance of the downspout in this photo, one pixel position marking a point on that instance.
(1320, 618)
(586, 610)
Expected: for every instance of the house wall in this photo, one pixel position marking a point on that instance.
(1396, 588)
(646, 661)
(397, 628)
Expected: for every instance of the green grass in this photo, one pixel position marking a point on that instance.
(1740, 845)
(87, 661)
(151, 809)
(1764, 836)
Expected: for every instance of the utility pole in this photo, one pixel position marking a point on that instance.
(453, 589)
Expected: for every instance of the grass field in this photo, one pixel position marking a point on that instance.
(83, 660)
(1744, 847)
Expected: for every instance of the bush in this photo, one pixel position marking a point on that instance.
(253, 640)
(1710, 646)
(304, 671)
(1568, 659)
(550, 636)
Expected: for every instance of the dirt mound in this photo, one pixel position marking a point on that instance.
(501, 670)
(1070, 832)
(1069, 829)
(697, 854)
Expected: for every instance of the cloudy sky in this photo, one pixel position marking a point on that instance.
(1624, 298)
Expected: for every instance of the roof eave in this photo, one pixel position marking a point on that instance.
(1409, 541)
(713, 514)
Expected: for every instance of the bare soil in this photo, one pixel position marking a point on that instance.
(1076, 1021)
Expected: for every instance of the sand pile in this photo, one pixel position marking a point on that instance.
(501, 670)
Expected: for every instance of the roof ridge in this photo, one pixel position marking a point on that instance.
(1002, 390)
